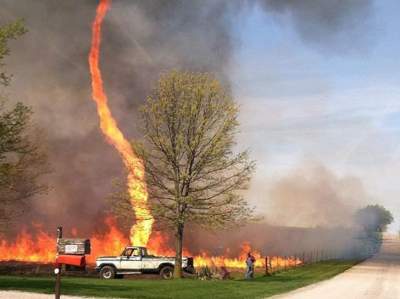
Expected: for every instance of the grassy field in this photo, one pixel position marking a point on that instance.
(259, 287)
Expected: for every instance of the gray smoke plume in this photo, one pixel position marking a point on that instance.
(312, 196)
(140, 40)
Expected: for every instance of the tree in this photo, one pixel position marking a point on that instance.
(192, 173)
(22, 160)
(374, 218)
(8, 32)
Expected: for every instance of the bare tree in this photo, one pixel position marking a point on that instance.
(192, 173)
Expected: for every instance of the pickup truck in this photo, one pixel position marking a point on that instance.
(136, 260)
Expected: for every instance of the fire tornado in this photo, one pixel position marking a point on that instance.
(136, 185)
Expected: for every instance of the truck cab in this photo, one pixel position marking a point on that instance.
(136, 260)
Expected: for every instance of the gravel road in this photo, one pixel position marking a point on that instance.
(375, 278)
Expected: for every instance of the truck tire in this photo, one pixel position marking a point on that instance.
(167, 272)
(190, 269)
(107, 272)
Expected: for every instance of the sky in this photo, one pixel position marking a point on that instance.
(336, 106)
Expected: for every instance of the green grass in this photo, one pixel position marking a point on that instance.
(259, 287)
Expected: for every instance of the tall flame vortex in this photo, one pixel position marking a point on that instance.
(141, 231)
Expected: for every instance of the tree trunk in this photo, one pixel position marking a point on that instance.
(178, 249)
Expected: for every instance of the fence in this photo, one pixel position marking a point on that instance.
(282, 263)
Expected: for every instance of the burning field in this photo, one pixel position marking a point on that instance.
(35, 244)
(225, 146)
(42, 249)
(40, 246)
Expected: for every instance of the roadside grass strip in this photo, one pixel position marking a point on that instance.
(237, 288)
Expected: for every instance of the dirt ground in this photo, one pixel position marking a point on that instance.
(375, 278)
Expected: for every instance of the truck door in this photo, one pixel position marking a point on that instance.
(132, 260)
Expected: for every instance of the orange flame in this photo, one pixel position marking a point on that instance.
(41, 248)
(141, 231)
(24, 248)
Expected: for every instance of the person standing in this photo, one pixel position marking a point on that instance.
(250, 262)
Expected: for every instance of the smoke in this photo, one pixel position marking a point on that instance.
(309, 209)
(140, 40)
(273, 240)
(328, 24)
(313, 196)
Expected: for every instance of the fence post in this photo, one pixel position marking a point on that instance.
(278, 262)
(267, 271)
(57, 270)
(272, 267)
(293, 260)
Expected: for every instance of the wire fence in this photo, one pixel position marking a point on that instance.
(363, 251)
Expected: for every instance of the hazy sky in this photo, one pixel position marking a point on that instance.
(335, 104)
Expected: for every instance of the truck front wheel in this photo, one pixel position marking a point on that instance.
(107, 272)
(167, 272)
(190, 269)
